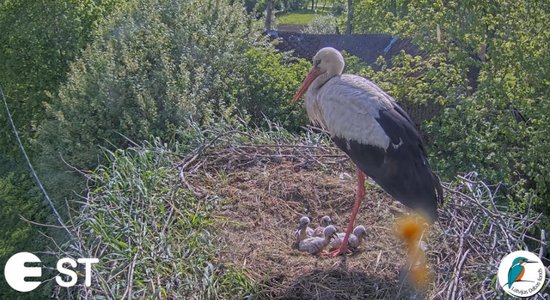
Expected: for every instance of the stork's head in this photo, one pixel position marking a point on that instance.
(330, 231)
(328, 62)
(325, 221)
(304, 221)
(360, 231)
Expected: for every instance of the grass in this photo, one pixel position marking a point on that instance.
(301, 17)
(154, 238)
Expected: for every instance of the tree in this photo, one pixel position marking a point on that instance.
(349, 22)
(39, 41)
(495, 48)
(269, 15)
(157, 68)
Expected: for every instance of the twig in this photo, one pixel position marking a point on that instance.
(40, 224)
(542, 251)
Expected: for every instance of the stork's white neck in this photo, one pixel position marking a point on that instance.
(312, 97)
(320, 81)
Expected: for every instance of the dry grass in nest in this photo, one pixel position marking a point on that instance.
(266, 191)
(267, 188)
(258, 222)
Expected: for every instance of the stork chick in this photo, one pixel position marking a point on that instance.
(303, 231)
(355, 239)
(325, 221)
(314, 245)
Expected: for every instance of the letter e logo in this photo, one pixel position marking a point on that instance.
(16, 272)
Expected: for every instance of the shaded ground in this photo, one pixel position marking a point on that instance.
(290, 27)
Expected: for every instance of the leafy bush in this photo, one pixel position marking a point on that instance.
(38, 42)
(11, 196)
(158, 66)
(20, 199)
(268, 84)
(494, 51)
(324, 24)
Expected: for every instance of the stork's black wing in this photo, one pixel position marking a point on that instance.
(402, 169)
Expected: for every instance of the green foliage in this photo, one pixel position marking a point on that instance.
(375, 16)
(496, 59)
(39, 40)
(155, 237)
(12, 190)
(155, 68)
(19, 199)
(338, 7)
(259, 6)
(413, 80)
(324, 24)
(270, 79)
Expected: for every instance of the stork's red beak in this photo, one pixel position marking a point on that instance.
(306, 83)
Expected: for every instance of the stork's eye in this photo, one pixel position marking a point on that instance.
(317, 62)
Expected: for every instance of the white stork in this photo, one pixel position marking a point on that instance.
(377, 134)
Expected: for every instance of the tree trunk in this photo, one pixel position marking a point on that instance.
(350, 17)
(269, 13)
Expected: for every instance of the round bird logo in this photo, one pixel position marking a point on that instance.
(521, 274)
(517, 270)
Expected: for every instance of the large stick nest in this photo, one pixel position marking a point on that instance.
(266, 188)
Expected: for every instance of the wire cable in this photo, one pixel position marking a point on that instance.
(33, 172)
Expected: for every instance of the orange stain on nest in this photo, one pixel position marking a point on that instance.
(410, 229)
(420, 276)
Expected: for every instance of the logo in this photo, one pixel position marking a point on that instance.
(16, 272)
(521, 274)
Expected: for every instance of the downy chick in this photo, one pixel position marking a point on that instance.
(314, 245)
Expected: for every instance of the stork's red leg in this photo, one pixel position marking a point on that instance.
(358, 198)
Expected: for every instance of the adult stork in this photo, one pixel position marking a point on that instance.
(375, 132)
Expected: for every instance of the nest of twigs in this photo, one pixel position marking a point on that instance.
(473, 236)
(267, 187)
